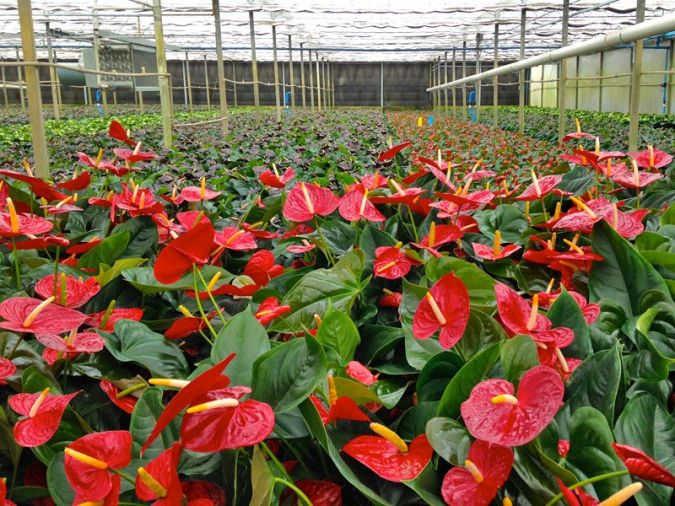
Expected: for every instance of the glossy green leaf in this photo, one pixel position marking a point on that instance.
(448, 438)
(518, 355)
(337, 331)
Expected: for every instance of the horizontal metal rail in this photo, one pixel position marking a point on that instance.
(609, 40)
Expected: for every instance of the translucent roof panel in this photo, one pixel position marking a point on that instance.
(344, 30)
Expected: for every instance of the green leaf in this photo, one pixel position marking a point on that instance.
(245, 336)
(143, 237)
(519, 355)
(507, 218)
(436, 374)
(481, 331)
(624, 276)
(449, 439)
(339, 236)
(338, 286)
(135, 342)
(337, 331)
(143, 279)
(591, 451)
(106, 275)
(262, 480)
(356, 391)
(646, 425)
(143, 419)
(377, 341)
(286, 375)
(460, 386)
(480, 285)
(59, 488)
(106, 252)
(565, 312)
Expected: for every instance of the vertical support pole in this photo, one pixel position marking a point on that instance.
(4, 87)
(291, 77)
(114, 94)
(318, 80)
(140, 96)
(382, 86)
(97, 63)
(464, 108)
(164, 86)
(234, 83)
(521, 74)
(438, 81)
(222, 91)
(445, 75)
(562, 77)
(189, 79)
(636, 81)
(325, 83)
(454, 77)
(479, 87)
(254, 62)
(185, 97)
(19, 78)
(576, 86)
(276, 72)
(431, 84)
(206, 84)
(311, 81)
(37, 126)
(52, 73)
(332, 84)
(669, 89)
(495, 81)
(602, 66)
(302, 75)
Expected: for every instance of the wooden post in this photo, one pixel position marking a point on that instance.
(52, 73)
(318, 80)
(37, 126)
(311, 82)
(669, 89)
(222, 91)
(234, 83)
(164, 87)
(562, 78)
(19, 78)
(185, 97)
(324, 80)
(454, 88)
(189, 79)
(521, 75)
(206, 84)
(636, 82)
(464, 104)
(495, 81)
(4, 88)
(254, 62)
(291, 77)
(276, 72)
(302, 75)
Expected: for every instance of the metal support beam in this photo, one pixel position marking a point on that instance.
(438, 78)
(164, 86)
(276, 73)
(495, 81)
(222, 90)
(206, 84)
(669, 88)
(302, 75)
(291, 77)
(382, 85)
(311, 82)
(562, 74)
(464, 76)
(254, 61)
(454, 76)
(636, 82)
(97, 64)
(479, 39)
(37, 126)
(521, 74)
(445, 76)
(600, 81)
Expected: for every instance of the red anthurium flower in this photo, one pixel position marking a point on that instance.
(274, 179)
(188, 219)
(485, 470)
(355, 206)
(203, 493)
(125, 403)
(75, 342)
(391, 263)
(106, 320)
(496, 252)
(590, 311)
(305, 201)
(405, 196)
(235, 239)
(576, 497)
(301, 248)
(320, 492)
(651, 158)
(62, 207)
(375, 181)
(452, 204)
(76, 183)
(100, 164)
(14, 225)
(158, 481)
(193, 247)
(480, 174)
(259, 233)
(269, 310)
(45, 241)
(359, 372)
(391, 299)
(7, 369)
(25, 314)
(636, 179)
(89, 461)
(493, 414)
(261, 267)
(445, 307)
(578, 134)
(198, 193)
(117, 132)
(387, 155)
(540, 187)
(43, 414)
(83, 247)
(37, 185)
(187, 325)
(438, 236)
(218, 420)
(339, 407)
(69, 291)
(3, 494)
(563, 448)
(388, 456)
(643, 466)
(137, 202)
(134, 155)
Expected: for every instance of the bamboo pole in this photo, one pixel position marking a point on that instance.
(291, 77)
(206, 83)
(521, 74)
(234, 83)
(4, 88)
(37, 126)
(636, 81)
(669, 89)
(318, 80)
(52, 74)
(164, 85)
(19, 78)
(311, 82)
(562, 81)
(189, 79)
(302, 75)
(254, 62)
(222, 91)
(276, 72)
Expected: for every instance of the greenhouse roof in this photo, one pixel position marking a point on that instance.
(348, 30)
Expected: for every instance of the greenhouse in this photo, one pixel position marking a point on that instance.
(320, 252)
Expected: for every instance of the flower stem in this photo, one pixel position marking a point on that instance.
(414, 227)
(211, 298)
(214, 334)
(288, 482)
(326, 249)
(124, 476)
(593, 479)
(300, 493)
(17, 268)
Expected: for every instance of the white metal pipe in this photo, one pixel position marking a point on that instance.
(627, 35)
